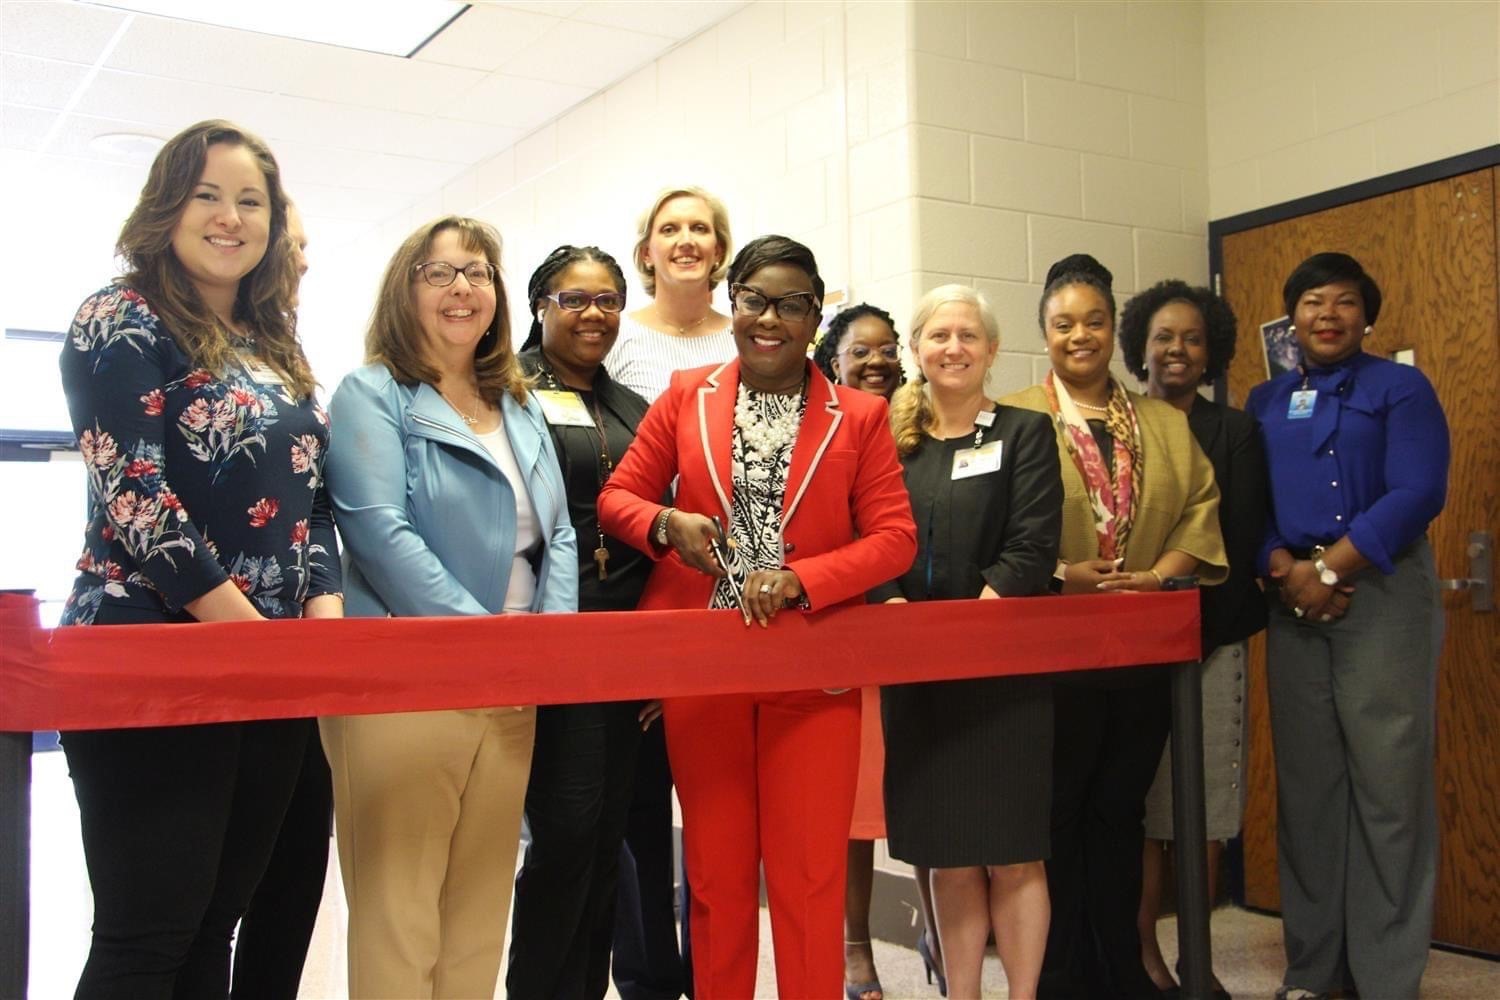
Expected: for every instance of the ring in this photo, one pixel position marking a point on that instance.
(765, 588)
(1298, 612)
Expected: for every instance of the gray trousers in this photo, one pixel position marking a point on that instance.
(1352, 721)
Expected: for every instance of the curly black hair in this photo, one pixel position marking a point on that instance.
(547, 271)
(1218, 325)
(828, 345)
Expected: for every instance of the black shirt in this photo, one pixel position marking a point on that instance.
(583, 473)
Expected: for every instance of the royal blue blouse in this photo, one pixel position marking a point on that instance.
(1370, 461)
(194, 477)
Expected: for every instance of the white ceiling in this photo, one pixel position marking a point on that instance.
(359, 135)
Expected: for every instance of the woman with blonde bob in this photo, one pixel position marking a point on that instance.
(448, 496)
(682, 251)
(986, 494)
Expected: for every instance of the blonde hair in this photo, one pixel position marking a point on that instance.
(911, 406)
(395, 334)
(720, 216)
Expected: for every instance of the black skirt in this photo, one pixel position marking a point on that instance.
(968, 771)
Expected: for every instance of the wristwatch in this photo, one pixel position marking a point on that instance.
(660, 535)
(1326, 576)
(1059, 577)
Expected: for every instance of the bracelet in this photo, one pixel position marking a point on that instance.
(1159, 582)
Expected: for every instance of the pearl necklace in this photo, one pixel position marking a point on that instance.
(764, 438)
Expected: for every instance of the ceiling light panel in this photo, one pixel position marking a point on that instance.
(392, 27)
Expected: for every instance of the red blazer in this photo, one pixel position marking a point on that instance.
(846, 521)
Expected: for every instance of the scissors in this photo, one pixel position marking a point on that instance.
(722, 549)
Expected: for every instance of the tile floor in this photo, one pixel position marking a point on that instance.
(1247, 946)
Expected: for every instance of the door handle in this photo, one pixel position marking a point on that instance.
(1480, 583)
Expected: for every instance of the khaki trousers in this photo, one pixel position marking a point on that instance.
(427, 806)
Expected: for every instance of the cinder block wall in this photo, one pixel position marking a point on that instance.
(1305, 97)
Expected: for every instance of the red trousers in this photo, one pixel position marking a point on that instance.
(766, 778)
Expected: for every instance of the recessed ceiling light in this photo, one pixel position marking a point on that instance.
(129, 145)
(393, 27)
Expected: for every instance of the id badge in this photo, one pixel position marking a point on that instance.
(260, 373)
(1301, 406)
(970, 462)
(564, 409)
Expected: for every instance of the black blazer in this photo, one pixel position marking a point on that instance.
(1235, 609)
(1001, 528)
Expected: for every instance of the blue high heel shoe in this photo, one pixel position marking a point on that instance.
(932, 967)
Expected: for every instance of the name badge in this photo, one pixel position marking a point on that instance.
(970, 462)
(1301, 406)
(260, 373)
(564, 409)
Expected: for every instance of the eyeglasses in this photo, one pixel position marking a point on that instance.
(796, 306)
(576, 301)
(860, 352)
(441, 274)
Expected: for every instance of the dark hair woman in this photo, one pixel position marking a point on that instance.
(1177, 338)
(1139, 506)
(809, 532)
(1357, 452)
(860, 349)
(193, 406)
(583, 765)
(448, 496)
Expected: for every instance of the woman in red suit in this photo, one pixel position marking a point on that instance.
(804, 477)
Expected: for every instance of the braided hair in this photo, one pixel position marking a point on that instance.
(828, 345)
(1077, 269)
(546, 273)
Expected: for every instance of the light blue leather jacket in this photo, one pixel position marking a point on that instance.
(427, 519)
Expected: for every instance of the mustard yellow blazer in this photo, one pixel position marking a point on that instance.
(1179, 505)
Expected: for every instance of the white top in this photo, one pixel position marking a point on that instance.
(644, 359)
(522, 587)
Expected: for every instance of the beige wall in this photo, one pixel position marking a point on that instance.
(1304, 97)
(1041, 129)
(761, 109)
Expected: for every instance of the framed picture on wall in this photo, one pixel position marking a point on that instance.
(1282, 352)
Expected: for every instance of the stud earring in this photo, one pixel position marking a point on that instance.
(1369, 330)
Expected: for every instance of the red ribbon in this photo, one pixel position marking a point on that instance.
(150, 675)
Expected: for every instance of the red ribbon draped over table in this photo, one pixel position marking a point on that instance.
(151, 675)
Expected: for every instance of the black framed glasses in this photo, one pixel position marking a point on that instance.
(862, 352)
(796, 306)
(575, 301)
(441, 274)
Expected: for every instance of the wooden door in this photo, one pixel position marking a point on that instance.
(1432, 249)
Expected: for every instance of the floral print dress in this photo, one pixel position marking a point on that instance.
(194, 477)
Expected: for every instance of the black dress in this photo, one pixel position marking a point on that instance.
(968, 763)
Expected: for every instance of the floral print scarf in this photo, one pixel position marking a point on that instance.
(1113, 498)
